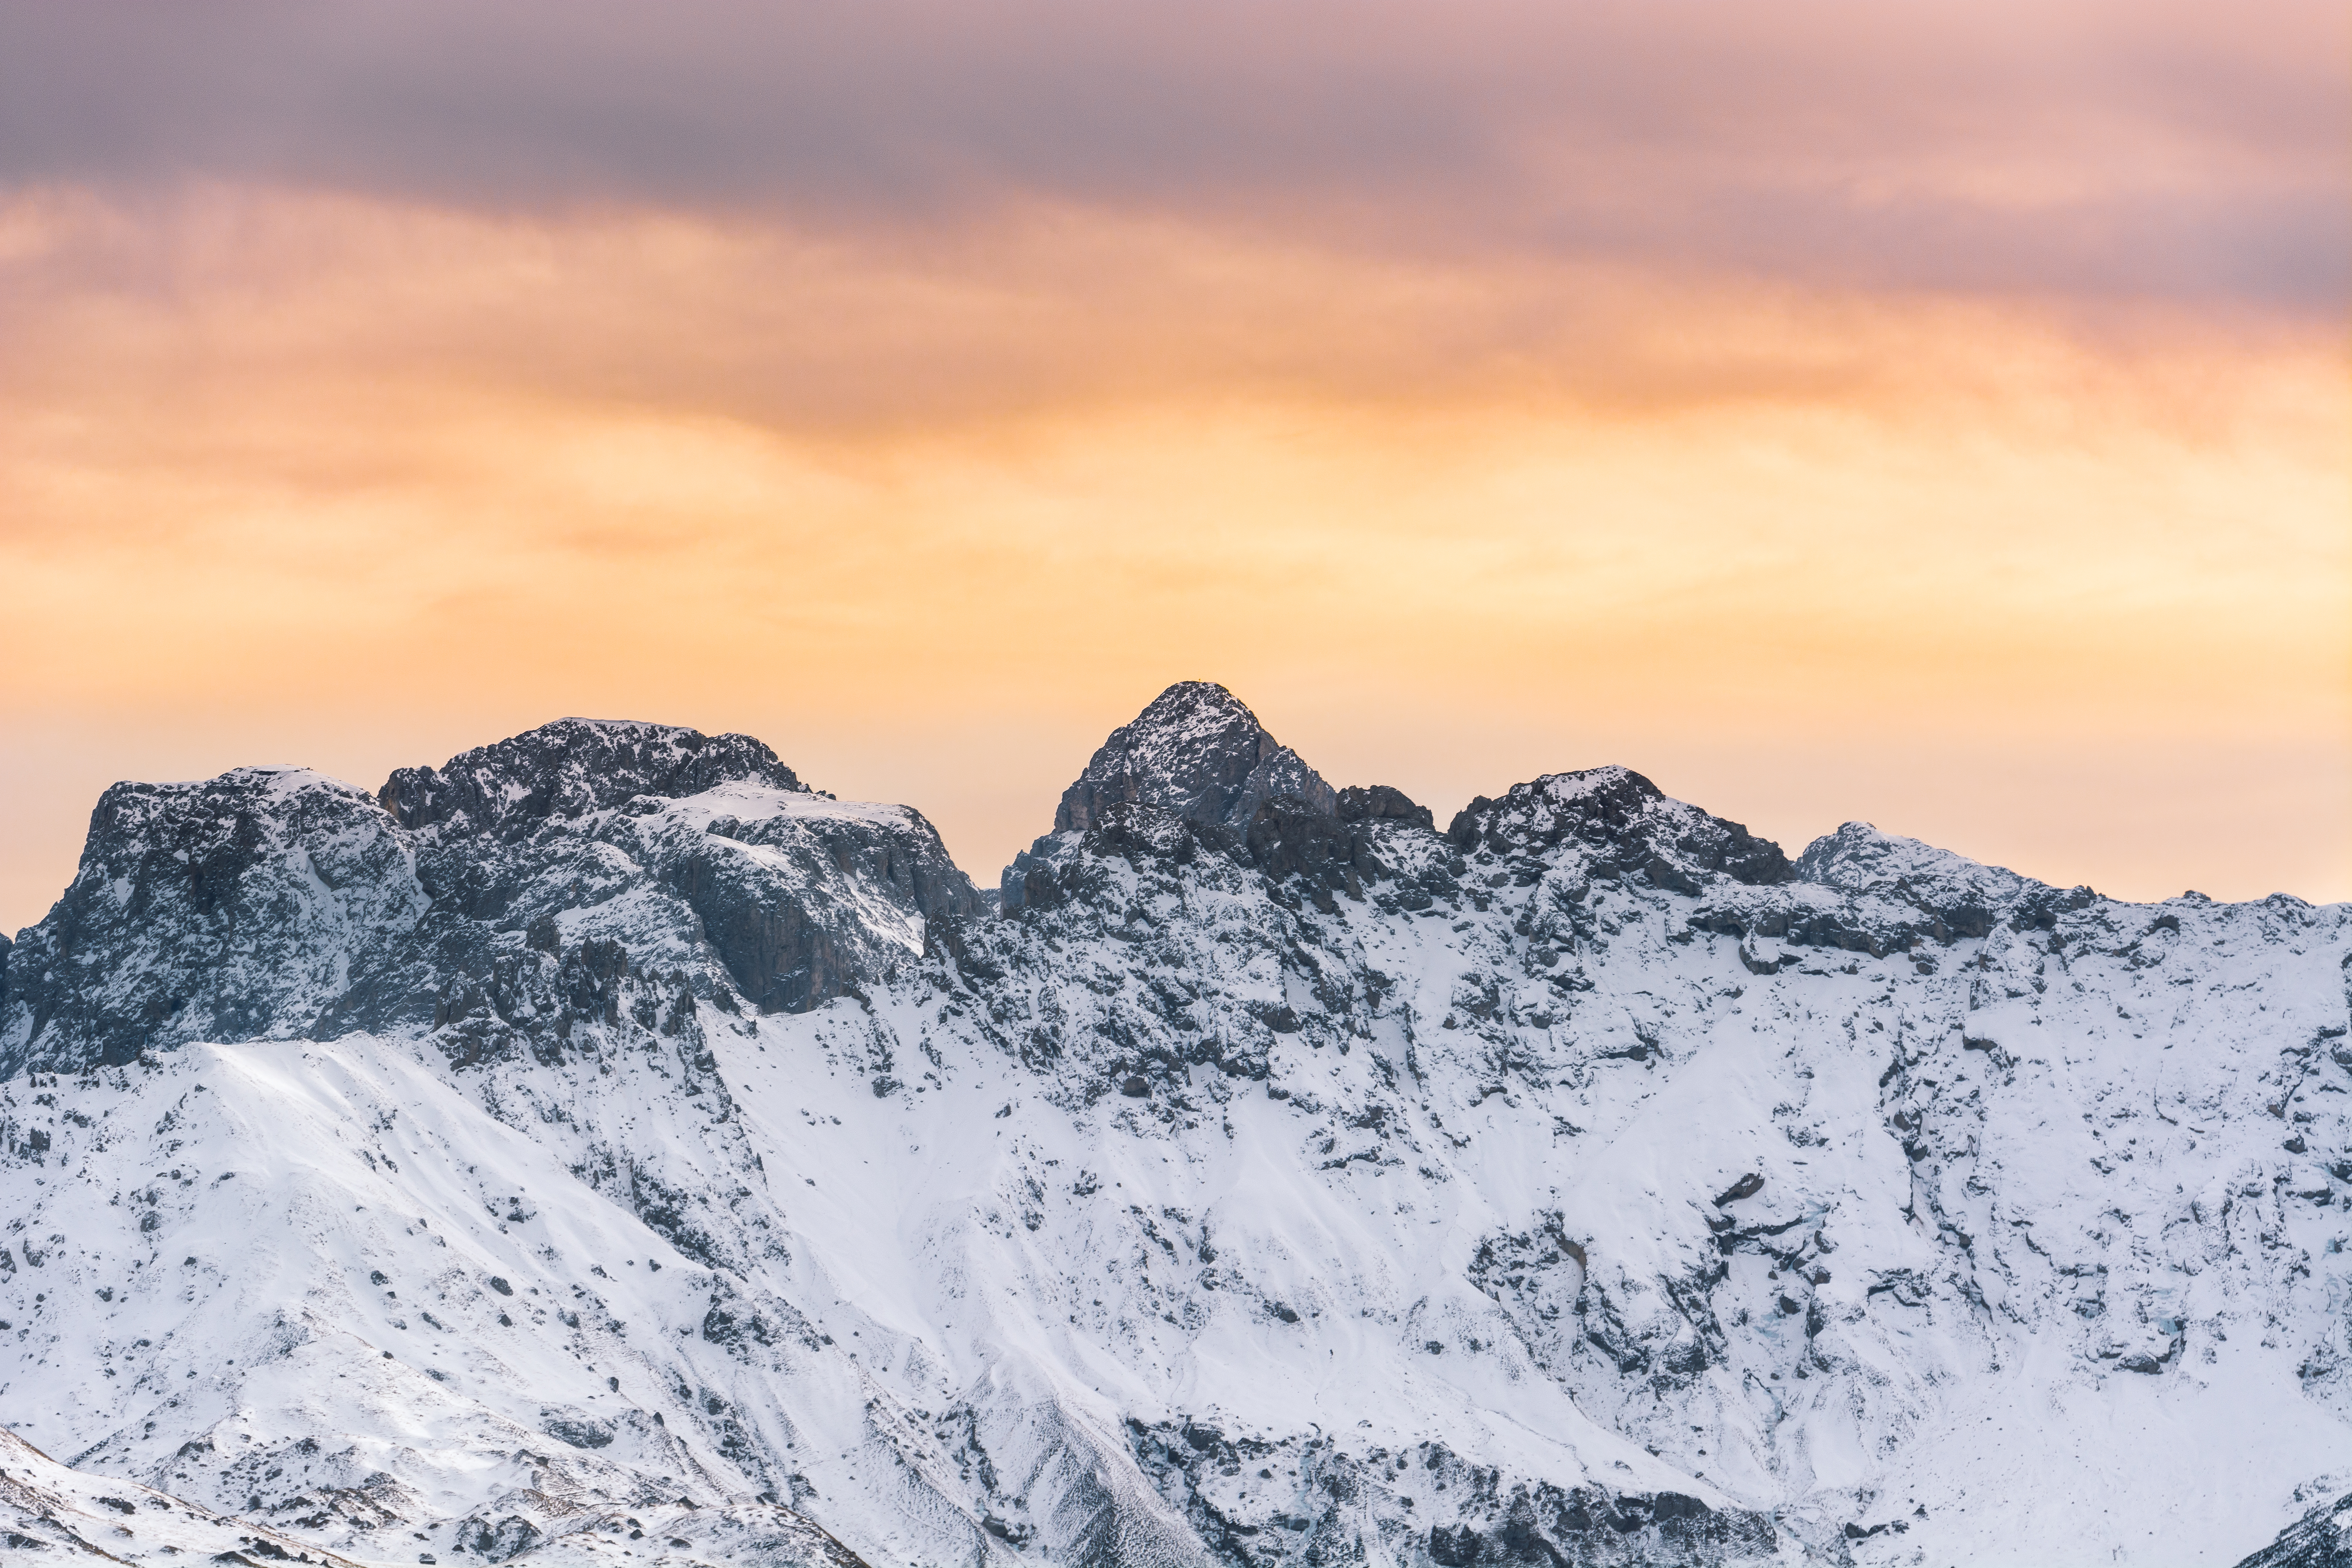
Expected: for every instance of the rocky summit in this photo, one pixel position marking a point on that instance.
(606, 1148)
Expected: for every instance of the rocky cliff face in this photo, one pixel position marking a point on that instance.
(225, 910)
(606, 1120)
(583, 870)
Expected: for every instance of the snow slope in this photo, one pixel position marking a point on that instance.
(646, 1134)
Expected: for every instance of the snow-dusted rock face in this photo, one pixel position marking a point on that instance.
(573, 767)
(208, 911)
(50, 1513)
(1275, 1180)
(1196, 752)
(2320, 1539)
(571, 873)
(1197, 755)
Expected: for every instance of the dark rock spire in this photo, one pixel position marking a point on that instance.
(1196, 751)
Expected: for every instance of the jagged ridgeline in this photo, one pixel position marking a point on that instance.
(604, 1142)
(277, 903)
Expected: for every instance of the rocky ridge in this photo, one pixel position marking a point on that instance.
(1283, 1180)
(281, 904)
(2320, 1539)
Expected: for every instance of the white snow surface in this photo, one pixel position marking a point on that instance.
(2046, 1263)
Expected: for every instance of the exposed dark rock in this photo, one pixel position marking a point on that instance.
(219, 910)
(571, 767)
(576, 1428)
(785, 954)
(1288, 838)
(1343, 1501)
(1380, 803)
(1746, 1186)
(1627, 824)
(1891, 895)
(500, 1539)
(1048, 874)
(1454, 1546)
(482, 901)
(1954, 897)
(1196, 751)
(2320, 1539)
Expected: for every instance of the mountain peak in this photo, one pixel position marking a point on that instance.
(573, 766)
(1195, 749)
(1628, 823)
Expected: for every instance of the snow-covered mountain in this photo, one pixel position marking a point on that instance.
(605, 1148)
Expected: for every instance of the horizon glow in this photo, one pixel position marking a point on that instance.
(1937, 421)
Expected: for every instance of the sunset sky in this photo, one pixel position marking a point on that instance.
(1934, 415)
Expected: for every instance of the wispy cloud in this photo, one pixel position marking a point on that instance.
(2098, 148)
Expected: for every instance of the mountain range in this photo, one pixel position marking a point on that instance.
(606, 1148)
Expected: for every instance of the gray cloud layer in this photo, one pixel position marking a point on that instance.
(2086, 150)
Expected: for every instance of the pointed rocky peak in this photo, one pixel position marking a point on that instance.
(1198, 751)
(1626, 823)
(575, 766)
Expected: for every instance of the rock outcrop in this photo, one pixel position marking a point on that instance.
(566, 770)
(2320, 1539)
(229, 909)
(495, 902)
(1197, 752)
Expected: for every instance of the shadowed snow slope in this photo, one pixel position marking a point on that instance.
(606, 1143)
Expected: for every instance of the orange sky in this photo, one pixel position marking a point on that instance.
(1952, 431)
